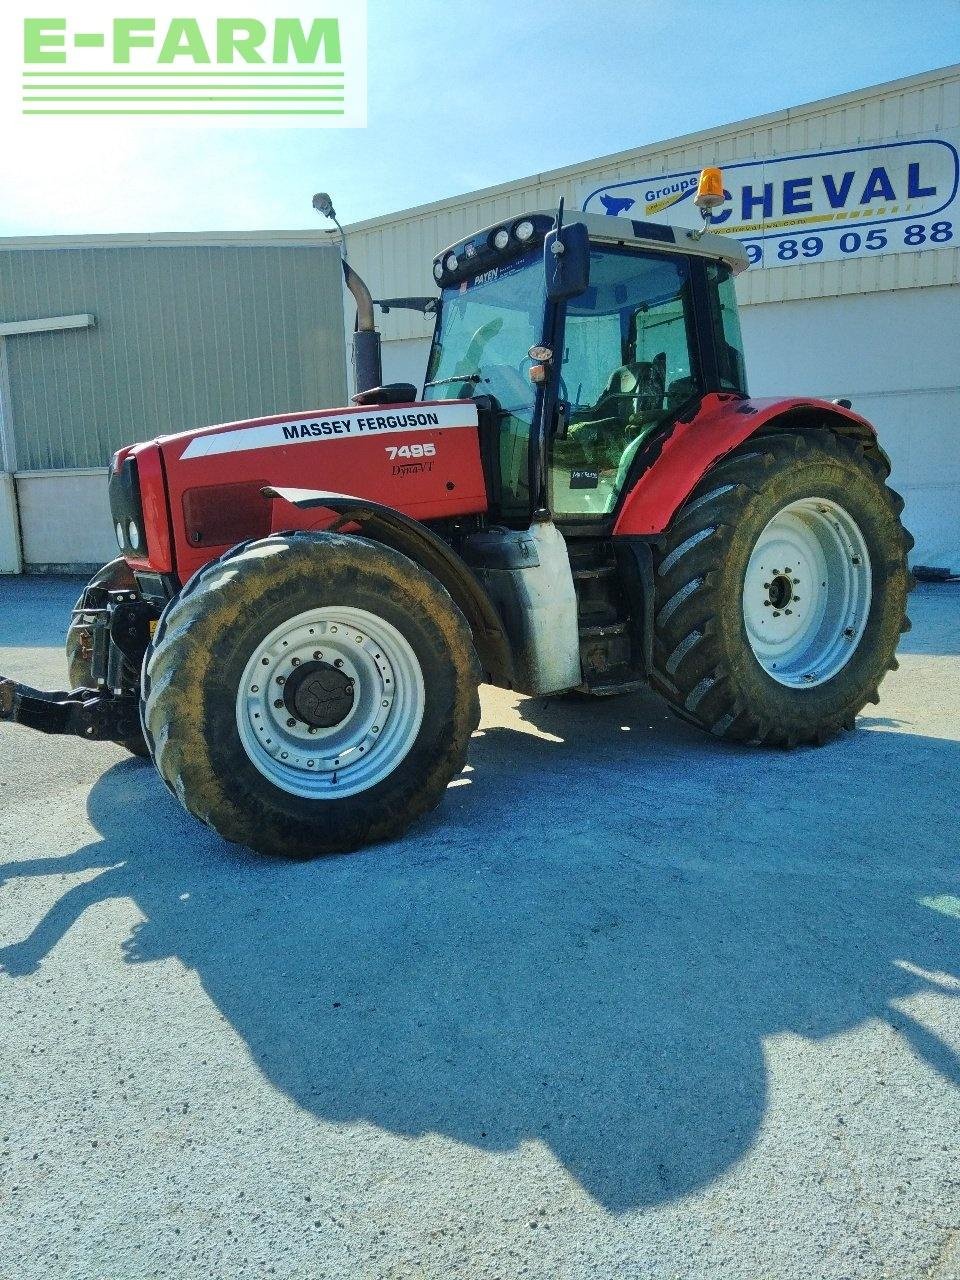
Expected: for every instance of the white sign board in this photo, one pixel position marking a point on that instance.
(895, 197)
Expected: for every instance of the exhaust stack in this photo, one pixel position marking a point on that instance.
(367, 363)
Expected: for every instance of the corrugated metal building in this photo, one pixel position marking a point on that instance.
(105, 340)
(880, 325)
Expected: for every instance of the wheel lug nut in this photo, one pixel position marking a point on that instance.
(317, 655)
(281, 680)
(312, 729)
(338, 663)
(290, 722)
(796, 582)
(766, 604)
(278, 702)
(788, 611)
(766, 586)
(295, 662)
(776, 614)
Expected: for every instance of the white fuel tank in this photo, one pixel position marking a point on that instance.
(527, 574)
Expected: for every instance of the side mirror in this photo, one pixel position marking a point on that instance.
(566, 261)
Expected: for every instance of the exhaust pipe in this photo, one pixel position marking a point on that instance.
(367, 362)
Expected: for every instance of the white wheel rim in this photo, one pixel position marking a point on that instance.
(806, 594)
(376, 733)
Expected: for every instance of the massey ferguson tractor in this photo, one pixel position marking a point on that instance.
(584, 498)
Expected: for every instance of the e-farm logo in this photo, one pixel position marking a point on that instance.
(299, 69)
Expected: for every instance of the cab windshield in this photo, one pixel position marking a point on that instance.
(487, 325)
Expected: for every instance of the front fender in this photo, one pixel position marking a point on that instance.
(394, 529)
(673, 463)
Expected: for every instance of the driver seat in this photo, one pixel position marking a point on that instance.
(634, 391)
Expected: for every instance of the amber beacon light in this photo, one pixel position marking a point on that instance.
(709, 191)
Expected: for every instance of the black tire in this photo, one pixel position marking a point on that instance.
(704, 664)
(115, 576)
(204, 640)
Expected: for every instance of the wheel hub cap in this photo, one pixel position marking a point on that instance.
(807, 592)
(319, 694)
(330, 702)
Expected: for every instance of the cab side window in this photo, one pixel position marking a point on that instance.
(627, 365)
(728, 342)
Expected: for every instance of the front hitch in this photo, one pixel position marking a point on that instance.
(84, 713)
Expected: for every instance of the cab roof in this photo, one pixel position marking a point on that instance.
(654, 235)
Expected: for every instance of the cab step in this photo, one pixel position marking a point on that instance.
(614, 688)
(594, 572)
(604, 629)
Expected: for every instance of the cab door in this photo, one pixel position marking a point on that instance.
(629, 362)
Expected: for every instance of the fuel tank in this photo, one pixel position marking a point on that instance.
(200, 492)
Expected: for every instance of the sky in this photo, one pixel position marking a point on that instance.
(469, 94)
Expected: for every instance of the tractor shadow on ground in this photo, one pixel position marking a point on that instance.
(585, 947)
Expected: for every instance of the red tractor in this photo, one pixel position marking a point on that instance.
(585, 498)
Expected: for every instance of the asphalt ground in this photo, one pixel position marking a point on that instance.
(632, 1003)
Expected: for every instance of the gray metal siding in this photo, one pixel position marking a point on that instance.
(185, 336)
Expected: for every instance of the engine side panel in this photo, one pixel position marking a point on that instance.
(422, 459)
(677, 462)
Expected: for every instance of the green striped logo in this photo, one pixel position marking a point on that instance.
(196, 67)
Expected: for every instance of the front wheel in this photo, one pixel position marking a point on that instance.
(781, 591)
(310, 693)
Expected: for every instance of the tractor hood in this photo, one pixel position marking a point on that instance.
(203, 491)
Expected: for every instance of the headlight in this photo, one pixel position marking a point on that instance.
(438, 271)
(501, 238)
(134, 535)
(451, 264)
(119, 535)
(524, 230)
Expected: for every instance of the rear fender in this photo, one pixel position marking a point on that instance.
(420, 544)
(673, 463)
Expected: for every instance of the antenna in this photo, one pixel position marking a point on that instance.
(557, 247)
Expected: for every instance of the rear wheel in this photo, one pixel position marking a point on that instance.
(781, 591)
(115, 576)
(310, 693)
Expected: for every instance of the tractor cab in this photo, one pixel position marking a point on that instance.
(588, 370)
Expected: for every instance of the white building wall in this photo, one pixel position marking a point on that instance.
(896, 355)
(884, 330)
(65, 519)
(405, 360)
